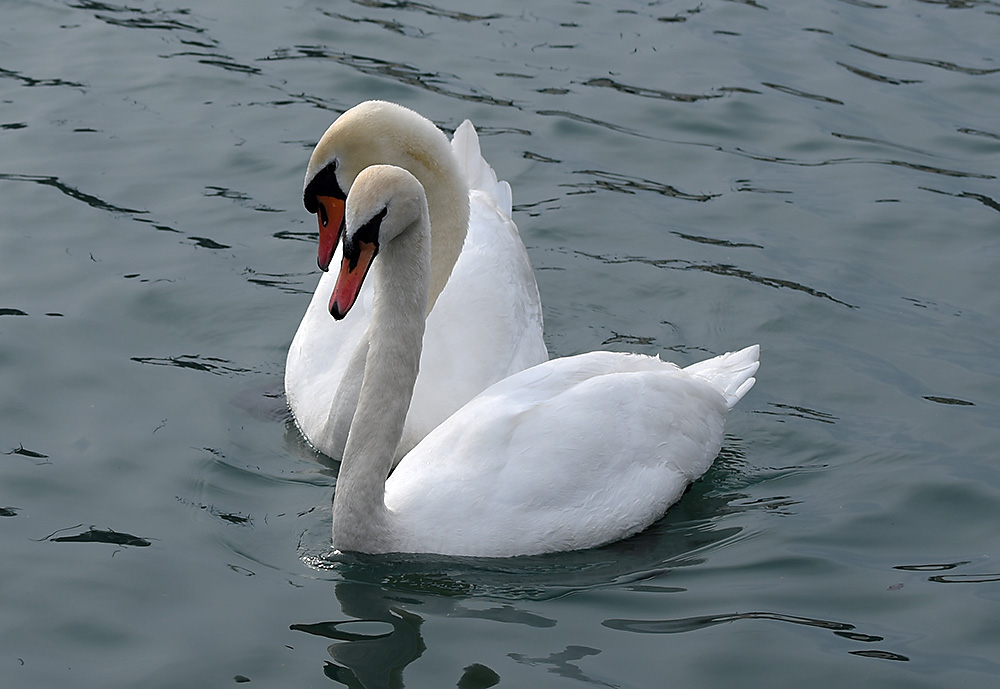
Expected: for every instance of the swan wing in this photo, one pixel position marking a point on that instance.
(477, 172)
(570, 454)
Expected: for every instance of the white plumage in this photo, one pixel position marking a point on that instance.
(569, 454)
(486, 322)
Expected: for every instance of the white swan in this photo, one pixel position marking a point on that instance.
(485, 316)
(570, 454)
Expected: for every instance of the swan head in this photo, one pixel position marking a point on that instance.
(371, 133)
(384, 202)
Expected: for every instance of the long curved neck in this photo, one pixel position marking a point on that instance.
(401, 275)
(448, 205)
(426, 152)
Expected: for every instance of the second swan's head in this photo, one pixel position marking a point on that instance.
(370, 133)
(384, 203)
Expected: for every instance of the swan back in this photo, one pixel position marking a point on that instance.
(570, 454)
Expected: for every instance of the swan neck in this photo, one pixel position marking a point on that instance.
(448, 206)
(401, 275)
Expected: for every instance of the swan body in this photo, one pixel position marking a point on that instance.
(485, 318)
(569, 454)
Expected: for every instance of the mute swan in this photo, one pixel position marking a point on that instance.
(570, 454)
(485, 316)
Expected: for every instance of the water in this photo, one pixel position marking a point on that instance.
(689, 178)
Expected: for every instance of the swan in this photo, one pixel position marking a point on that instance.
(484, 318)
(570, 454)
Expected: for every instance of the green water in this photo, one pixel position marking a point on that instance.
(820, 178)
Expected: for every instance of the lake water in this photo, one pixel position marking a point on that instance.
(689, 178)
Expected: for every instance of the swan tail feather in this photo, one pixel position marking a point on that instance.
(474, 168)
(732, 374)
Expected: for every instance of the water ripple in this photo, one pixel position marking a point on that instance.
(140, 19)
(100, 204)
(239, 197)
(691, 624)
(789, 410)
(93, 535)
(919, 167)
(31, 81)
(590, 120)
(650, 93)
(979, 132)
(397, 71)
(803, 94)
(965, 578)
(718, 242)
(940, 64)
(723, 269)
(782, 160)
(70, 191)
(962, 578)
(949, 400)
(987, 201)
(288, 283)
(427, 8)
(194, 362)
(387, 24)
(25, 452)
(877, 77)
(216, 60)
(865, 4)
(624, 184)
(879, 142)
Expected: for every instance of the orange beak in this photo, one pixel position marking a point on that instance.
(352, 276)
(331, 223)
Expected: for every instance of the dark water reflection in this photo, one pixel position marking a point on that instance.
(368, 659)
(393, 590)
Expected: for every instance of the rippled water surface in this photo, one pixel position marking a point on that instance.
(818, 177)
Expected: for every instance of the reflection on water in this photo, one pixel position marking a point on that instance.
(383, 637)
(367, 659)
(561, 663)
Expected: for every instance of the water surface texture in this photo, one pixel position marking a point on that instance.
(689, 178)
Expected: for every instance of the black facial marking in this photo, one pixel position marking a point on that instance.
(367, 234)
(323, 184)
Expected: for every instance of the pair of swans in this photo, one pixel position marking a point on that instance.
(546, 456)
(484, 319)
